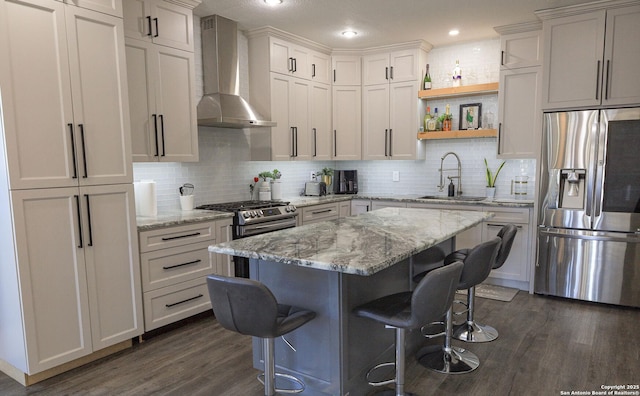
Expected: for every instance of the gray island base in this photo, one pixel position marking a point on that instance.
(332, 267)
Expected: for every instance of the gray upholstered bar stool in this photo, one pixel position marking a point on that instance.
(248, 307)
(471, 331)
(447, 358)
(403, 311)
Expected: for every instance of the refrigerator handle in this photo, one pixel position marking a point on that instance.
(601, 154)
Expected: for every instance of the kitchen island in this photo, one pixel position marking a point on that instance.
(333, 266)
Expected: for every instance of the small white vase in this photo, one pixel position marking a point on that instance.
(264, 191)
(276, 190)
(491, 193)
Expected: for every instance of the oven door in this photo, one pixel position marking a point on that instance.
(241, 264)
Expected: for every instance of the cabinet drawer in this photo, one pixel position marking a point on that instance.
(172, 303)
(320, 213)
(177, 236)
(166, 267)
(508, 215)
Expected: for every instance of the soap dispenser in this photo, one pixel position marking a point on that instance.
(452, 188)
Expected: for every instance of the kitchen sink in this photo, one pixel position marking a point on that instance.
(462, 198)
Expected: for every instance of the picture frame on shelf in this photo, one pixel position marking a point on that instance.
(470, 116)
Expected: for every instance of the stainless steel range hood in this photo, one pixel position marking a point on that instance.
(221, 105)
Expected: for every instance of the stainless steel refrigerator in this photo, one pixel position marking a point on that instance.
(589, 213)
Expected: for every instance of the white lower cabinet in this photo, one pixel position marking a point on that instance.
(515, 271)
(359, 206)
(175, 262)
(322, 212)
(78, 275)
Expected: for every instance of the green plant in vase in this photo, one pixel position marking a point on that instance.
(491, 178)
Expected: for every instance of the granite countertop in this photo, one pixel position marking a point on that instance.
(177, 217)
(411, 198)
(361, 245)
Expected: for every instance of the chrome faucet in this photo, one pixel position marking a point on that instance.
(459, 176)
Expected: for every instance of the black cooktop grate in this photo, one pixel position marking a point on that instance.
(241, 205)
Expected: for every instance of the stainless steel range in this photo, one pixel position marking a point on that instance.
(255, 218)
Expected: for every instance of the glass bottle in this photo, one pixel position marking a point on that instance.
(432, 123)
(427, 117)
(457, 74)
(438, 121)
(427, 79)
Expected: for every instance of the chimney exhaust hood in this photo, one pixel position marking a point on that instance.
(221, 105)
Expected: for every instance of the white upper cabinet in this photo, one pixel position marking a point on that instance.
(591, 58)
(111, 7)
(160, 22)
(347, 122)
(388, 67)
(519, 123)
(74, 75)
(298, 61)
(522, 49)
(163, 109)
(346, 69)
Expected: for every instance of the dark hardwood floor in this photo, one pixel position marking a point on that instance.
(546, 345)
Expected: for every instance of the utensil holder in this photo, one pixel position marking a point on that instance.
(186, 202)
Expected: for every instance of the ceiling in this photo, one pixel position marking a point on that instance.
(381, 22)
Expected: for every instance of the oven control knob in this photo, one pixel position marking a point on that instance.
(254, 213)
(291, 208)
(246, 215)
(260, 213)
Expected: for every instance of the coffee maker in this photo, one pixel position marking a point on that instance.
(345, 182)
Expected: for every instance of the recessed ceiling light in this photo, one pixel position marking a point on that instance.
(273, 2)
(454, 32)
(349, 33)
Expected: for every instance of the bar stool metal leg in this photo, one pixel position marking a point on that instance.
(448, 359)
(471, 331)
(399, 365)
(268, 378)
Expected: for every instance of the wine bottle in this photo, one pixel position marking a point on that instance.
(427, 117)
(432, 123)
(457, 74)
(427, 79)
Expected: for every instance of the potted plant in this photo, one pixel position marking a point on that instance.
(445, 121)
(327, 174)
(491, 179)
(276, 186)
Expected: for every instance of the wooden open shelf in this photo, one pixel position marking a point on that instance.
(475, 133)
(465, 90)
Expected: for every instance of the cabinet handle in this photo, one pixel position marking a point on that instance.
(296, 145)
(183, 301)
(86, 197)
(606, 90)
(181, 265)
(84, 152)
(391, 137)
(321, 211)
(80, 241)
(157, 30)
(386, 142)
(334, 75)
(293, 142)
(335, 143)
(313, 70)
(502, 225)
(386, 73)
(161, 116)
(180, 236)
(295, 65)
(290, 64)
(598, 81)
(499, 135)
(149, 25)
(315, 142)
(155, 128)
(391, 72)
(73, 152)
(501, 58)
